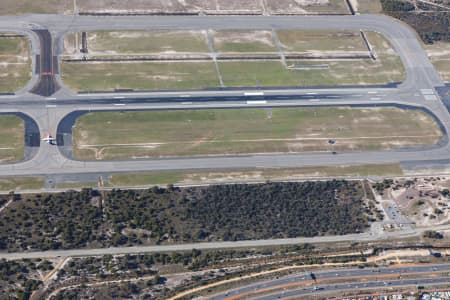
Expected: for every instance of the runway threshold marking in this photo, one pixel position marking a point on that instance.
(254, 94)
(50, 106)
(119, 104)
(257, 102)
(119, 97)
(375, 98)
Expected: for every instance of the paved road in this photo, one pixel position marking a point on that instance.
(367, 236)
(340, 274)
(48, 112)
(328, 289)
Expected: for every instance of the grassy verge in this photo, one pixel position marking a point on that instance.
(142, 75)
(21, 183)
(15, 63)
(203, 177)
(115, 135)
(11, 138)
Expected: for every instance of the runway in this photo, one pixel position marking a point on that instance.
(45, 66)
(49, 111)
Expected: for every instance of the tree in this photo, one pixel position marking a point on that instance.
(431, 234)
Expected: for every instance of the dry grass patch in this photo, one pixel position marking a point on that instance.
(138, 42)
(367, 6)
(14, 7)
(387, 68)
(21, 183)
(244, 41)
(307, 7)
(439, 54)
(15, 63)
(321, 41)
(139, 76)
(169, 6)
(11, 138)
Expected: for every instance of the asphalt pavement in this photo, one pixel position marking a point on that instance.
(418, 90)
(366, 236)
(340, 274)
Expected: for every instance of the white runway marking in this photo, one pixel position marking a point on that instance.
(257, 102)
(254, 94)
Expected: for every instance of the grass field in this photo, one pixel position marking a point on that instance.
(368, 6)
(116, 42)
(344, 72)
(15, 63)
(11, 138)
(161, 178)
(8, 7)
(116, 135)
(387, 68)
(320, 41)
(439, 54)
(21, 183)
(244, 41)
(101, 76)
(139, 75)
(171, 6)
(258, 73)
(306, 7)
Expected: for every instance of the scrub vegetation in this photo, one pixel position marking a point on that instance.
(223, 212)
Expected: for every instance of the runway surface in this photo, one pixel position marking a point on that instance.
(418, 90)
(45, 66)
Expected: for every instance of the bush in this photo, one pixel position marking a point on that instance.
(396, 5)
(431, 234)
